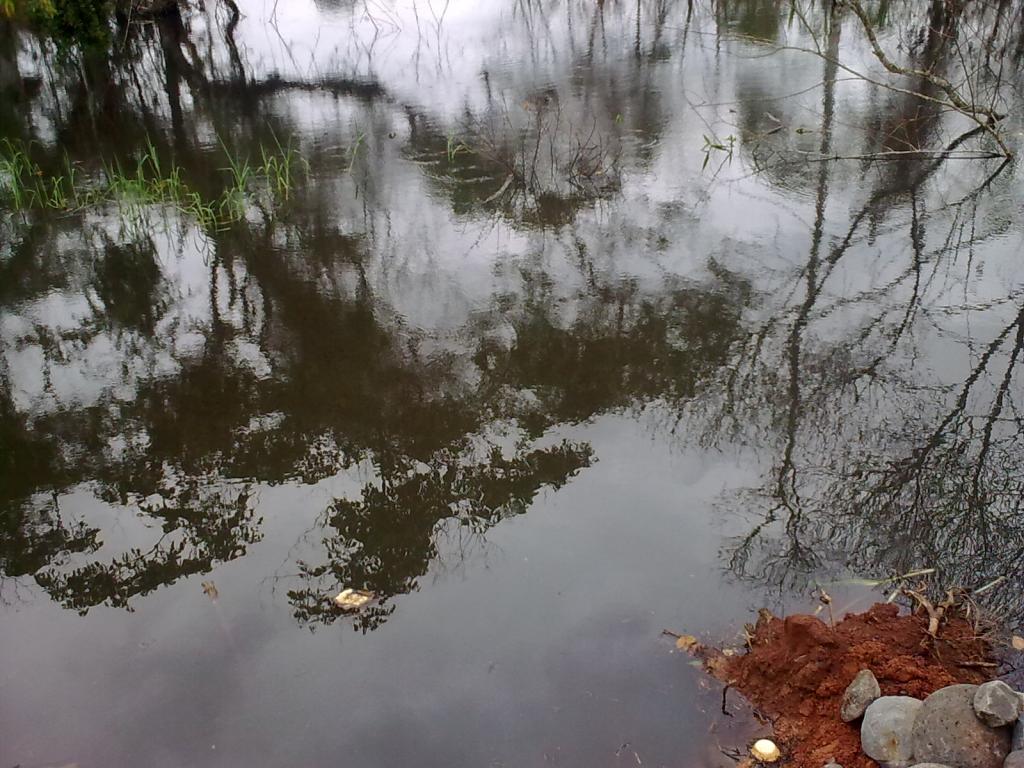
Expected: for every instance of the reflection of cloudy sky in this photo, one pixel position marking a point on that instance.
(92, 357)
(429, 54)
(539, 639)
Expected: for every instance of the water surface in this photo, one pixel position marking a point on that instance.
(565, 337)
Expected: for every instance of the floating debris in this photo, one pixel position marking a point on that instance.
(686, 642)
(353, 599)
(210, 590)
(765, 751)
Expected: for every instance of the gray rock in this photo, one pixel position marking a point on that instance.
(929, 765)
(1017, 741)
(886, 735)
(1014, 760)
(832, 764)
(948, 732)
(996, 703)
(861, 692)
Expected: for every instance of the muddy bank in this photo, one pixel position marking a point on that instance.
(796, 671)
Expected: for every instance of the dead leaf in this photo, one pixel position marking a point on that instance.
(1017, 642)
(686, 642)
(210, 590)
(353, 599)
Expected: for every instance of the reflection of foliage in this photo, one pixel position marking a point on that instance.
(25, 458)
(385, 541)
(622, 350)
(32, 533)
(31, 539)
(345, 386)
(760, 19)
(127, 283)
(201, 526)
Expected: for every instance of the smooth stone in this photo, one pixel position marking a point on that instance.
(996, 703)
(859, 694)
(886, 735)
(1015, 759)
(948, 732)
(1017, 740)
(929, 765)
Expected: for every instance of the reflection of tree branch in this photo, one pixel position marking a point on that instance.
(997, 405)
(980, 114)
(972, 109)
(960, 406)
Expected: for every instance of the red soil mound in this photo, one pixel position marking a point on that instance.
(798, 668)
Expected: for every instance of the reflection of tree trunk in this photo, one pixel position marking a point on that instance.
(915, 121)
(636, 39)
(172, 81)
(10, 76)
(932, 89)
(229, 37)
(596, 21)
(10, 81)
(174, 36)
(787, 472)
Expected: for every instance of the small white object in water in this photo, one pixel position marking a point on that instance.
(765, 751)
(352, 599)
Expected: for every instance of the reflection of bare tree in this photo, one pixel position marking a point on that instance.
(954, 493)
(876, 462)
(534, 161)
(941, 81)
(937, 485)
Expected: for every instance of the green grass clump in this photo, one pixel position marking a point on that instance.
(147, 182)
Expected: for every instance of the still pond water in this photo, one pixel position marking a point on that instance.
(562, 337)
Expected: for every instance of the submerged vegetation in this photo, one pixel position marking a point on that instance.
(148, 181)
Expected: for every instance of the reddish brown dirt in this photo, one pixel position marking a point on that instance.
(798, 668)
